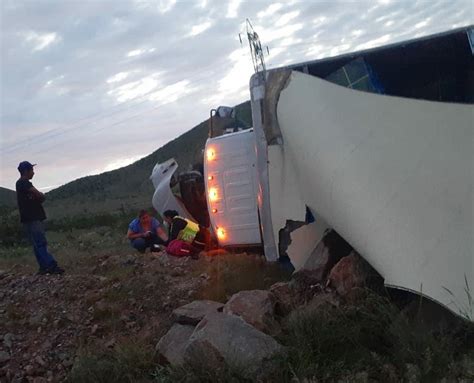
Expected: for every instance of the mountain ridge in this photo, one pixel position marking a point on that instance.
(7, 198)
(129, 187)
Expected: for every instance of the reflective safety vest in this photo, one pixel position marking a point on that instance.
(189, 232)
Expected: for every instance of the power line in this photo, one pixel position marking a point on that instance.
(258, 62)
(99, 115)
(133, 116)
(79, 123)
(124, 120)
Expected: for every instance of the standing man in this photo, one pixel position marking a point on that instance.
(32, 215)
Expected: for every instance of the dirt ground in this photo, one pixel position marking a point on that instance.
(105, 300)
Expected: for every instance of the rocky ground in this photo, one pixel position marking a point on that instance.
(117, 316)
(343, 328)
(101, 302)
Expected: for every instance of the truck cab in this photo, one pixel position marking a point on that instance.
(231, 185)
(221, 194)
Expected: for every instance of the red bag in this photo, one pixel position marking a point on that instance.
(179, 248)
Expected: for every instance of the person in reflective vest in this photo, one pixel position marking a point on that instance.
(184, 229)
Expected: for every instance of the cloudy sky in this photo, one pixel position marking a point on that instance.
(90, 86)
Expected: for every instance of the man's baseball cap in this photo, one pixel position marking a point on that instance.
(25, 165)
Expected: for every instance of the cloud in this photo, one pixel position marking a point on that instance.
(232, 10)
(117, 77)
(286, 18)
(272, 9)
(200, 28)
(132, 90)
(422, 24)
(119, 163)
(41, 41)
(165, 6)
(173, 92)
(138, 52)
(374, 43)
(98, 82)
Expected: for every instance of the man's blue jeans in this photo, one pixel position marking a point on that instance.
(36, 235)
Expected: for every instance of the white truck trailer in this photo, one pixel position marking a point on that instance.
(378, 145)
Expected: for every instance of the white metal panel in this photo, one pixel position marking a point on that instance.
(257, 91)
(393, 176)
(283, 184)
(163, 198)
(231, 174)
(303, 242)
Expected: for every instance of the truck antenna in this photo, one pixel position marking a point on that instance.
(256, 50)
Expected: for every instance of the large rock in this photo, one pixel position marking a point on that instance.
(304, 284)
(171, 347)
(256, 307)
(327, 253)
(350, 272)
(221, 340)
(320, 303)
(311, 279)
(285, 299)
(193, 312)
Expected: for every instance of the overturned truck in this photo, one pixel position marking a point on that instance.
(377, 145)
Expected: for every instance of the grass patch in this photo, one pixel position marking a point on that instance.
(196, 374)
(11, 257)
(68, 239)
(128, 362)
(11, 230)
(91, 221)
(15, 252)
(231, 273)
(331, 343)
(119, 273)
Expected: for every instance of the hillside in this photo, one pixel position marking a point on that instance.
(7, 198)
(129, 187)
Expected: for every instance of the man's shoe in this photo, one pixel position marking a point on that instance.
(56, 270)
(157, 248)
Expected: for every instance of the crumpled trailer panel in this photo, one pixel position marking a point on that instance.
(394, 176)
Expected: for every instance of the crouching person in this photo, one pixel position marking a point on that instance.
(185, 236)
(146, 232)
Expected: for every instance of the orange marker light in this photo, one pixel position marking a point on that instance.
(211, 154)
(214, 211)
(213, 194)
(210, 178)
(220, 233)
